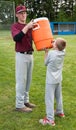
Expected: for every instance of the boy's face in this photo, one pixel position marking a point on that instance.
(54, 44)
(21, 16)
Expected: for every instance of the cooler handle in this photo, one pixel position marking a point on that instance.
(36, 27)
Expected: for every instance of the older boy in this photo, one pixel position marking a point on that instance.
(22, 35)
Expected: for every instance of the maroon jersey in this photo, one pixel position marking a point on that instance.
(25, 44)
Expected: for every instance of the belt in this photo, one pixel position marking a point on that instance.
(29, 52)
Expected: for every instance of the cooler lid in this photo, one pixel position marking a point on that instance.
(40, 19)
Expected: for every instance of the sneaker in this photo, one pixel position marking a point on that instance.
(24, 109)
(30, 105)
(60, 114)
(46, 121)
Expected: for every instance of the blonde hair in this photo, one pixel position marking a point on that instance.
(60, 43)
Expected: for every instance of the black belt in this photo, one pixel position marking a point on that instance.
(29, 52)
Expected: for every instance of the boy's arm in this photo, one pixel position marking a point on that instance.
(46, 53)
(45, 56)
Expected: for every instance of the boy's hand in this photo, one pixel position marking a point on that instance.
(46, 50)
(31, 24)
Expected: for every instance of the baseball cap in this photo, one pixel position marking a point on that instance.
(20, 8)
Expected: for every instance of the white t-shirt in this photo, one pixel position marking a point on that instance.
(54, 63)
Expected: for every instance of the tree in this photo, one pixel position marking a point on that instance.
(74, 13)
(54, 10)
(65, 10)
(40, 8)
(17, 1)
(6, 13)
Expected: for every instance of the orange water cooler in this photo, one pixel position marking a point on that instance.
(42, 34)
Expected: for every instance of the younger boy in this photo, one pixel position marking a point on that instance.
(54, 62)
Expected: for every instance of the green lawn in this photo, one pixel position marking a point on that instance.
(12, 120)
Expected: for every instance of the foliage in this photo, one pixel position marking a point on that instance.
(39, 8)
(6, 13)
(74, 13)
(54, 10)
(61, 16)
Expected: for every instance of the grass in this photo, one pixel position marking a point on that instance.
(12, 120)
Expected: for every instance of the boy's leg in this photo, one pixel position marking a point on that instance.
(58, 96)
(29, 59)
(20, 85)
(49, 101)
